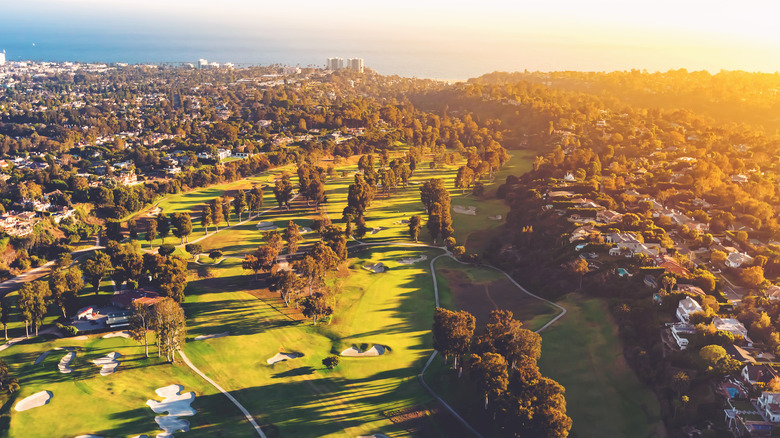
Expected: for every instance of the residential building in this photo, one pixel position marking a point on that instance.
(690, 289)
(686, 307)
(773, 292)
(737, 259)
(769, 405)
(680, 332)
(671, 265)
(608, 216)
(732, 326)
(758, 373)
(125, 299)
(2, 58)
(355, 64)
(335, 64)
(738, 353)
(202, 63)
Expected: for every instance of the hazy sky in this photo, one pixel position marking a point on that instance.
(544, 35)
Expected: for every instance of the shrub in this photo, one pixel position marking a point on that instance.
(166, 249)
(194, 248)
(215, 254)
(331, 362)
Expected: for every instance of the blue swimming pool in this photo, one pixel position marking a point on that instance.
(733, 392)
(622, 272)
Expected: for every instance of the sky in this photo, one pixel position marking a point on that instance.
(601, 35)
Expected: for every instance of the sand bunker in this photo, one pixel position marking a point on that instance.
(497, 217)
(176, 405)
(282, 357)
(377, 268)
(470, 210)
(36, 400)
(410, 260)
(376, 230)
(304, 230)
(215, 335)
(41, 357)
(64, 364)
(376, 350)
(402, 222)
(265, 224)
(109, 363)
(122, 334)
(79, 338)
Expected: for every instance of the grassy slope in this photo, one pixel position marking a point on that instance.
(604, 396)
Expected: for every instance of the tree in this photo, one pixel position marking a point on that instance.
(311, 271)
(171, 278)
(712, 354)
(256, 200)
(151, 232)
(274, 239)
(239, 203)
(293, 237)
(163, 226)
(205, 219)
(64, 287)
(216, 212)
(5, 316)
(63, 261)
(331, 362)
(288, 284)
(226, 209)
(166, 249)
(415, 224)
(32, 304)
(580, 267)
(360, 227)
(752, 276)
(169, 326)
(489, 372)
(283, 190)
(680, 382)
(141, 322)
(464, 178)
(316, 306)
(504, 335)
(182, 226)
(96, 268)
(194, 248)
(452, 332)
(434, 221)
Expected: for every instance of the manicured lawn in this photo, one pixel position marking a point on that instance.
(603, 395)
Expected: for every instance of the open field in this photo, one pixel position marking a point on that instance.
(603, 395)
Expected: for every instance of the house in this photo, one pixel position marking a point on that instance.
(671, 265)
(769, 405)
(738, 353)
(172, 170)
(732, 326)
(755, 373)
(680, 331)
(737, 259)
(608, 216)
(583, 233)
(125, 299)
(690, 289)
(560, 194)
(773, 292)
(686, 307)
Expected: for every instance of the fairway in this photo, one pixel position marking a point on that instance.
(603, 395)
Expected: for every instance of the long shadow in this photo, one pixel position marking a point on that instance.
(302, 371)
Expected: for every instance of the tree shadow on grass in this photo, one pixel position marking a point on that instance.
(295, 372)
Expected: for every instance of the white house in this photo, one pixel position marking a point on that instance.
(687, 306)
(680, 329)
(737, 259)
(769, 404)
(773, 292)
(732, 326)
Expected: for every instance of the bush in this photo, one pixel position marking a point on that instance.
(194, 248)
(166, 249)
(69, 330)
(331, 362)
(215, 254)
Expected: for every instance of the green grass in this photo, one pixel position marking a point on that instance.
(603, 395)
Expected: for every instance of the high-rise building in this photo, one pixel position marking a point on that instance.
(355, 64)
(202, 63)
(2, 58)
(335, 63)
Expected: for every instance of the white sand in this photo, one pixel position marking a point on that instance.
(282, 357)
(402, 222)
(64, 364)
(376, 230)
(176, 405)
(410, 260)
(36, 400)
(109, 363)
(377, 268)
(304, 230)
(122, 334)
(470, 210)
(497, 217)
(376, 350)
(263, 224)
(215, 335)
(41, 357)
(79, 338)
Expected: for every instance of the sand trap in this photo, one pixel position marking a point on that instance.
(376, 350)
(376, 230)
(304, 230)
(410, 260)
(263, 224)
(377, 268)
(497, 217)
(41, 357)
(64, 364)
(470, 210)
(282, 357)
(109, 363)
(79, 338)
(176, 405)
(36, 400)
(122, 334)
(402, 222)
(215, 335)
